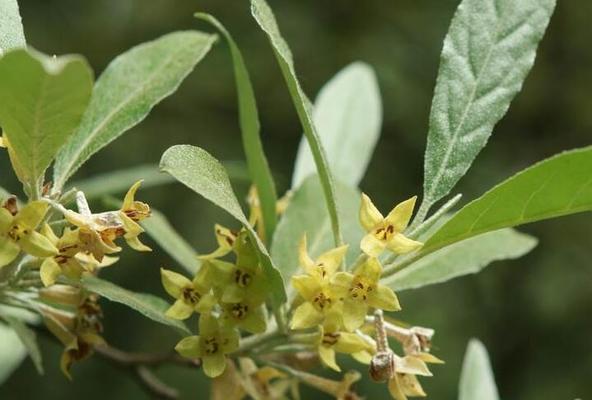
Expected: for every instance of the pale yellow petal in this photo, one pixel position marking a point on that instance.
(135, 243)
(429, 358)
(305, 316)
(189, 347)
(306, 263)
(327, 356)
(384, 298)
(371, 269)
(363, 357)
(369, 214)
(395, 389)
(332, 259)
(179, 310)
(400, 215)
(350, 343)
(49, 271)
(32, 214)
(128, 201)
(372, 246)
(401, 244)
(411, 386)
(412, 365)
(214, 365)
(307, 286)
(173, 282)
(37, 245)
(8, 250)
(354, 313)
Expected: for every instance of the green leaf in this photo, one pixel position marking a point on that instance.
(467, 257)
(13, 352)
(41, 103)
(11, 26)
(146, 304)
(250, 128)
(126, 92)
(557, 186)
(348, 117)
(304, 215)
(266, 20)
(476, 380)
(167, 237)
(29, 339)
(487, 54)
(202, 173)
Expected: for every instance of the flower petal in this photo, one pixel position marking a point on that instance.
(395, 388)
(8, 250)
(306, 316)
(350, 343)
(49, 271)
(179, 310)
(384, 298)
(411, 386)
(128, 201)
(369, 214)
(401, 244)
(173, 282)
(306, 263)
(370, 270)
(230, 339)
(32, 214)
(363, 357)
(254, 321)
(37, 245)
(307, 286)
(429, 358)
(135, 244)
(354, 313)
(327, 356)
(206, 303)
(412, 365)
(214, 365)
(400, 215)
(332, 259)
(372, 246)
(189, 347)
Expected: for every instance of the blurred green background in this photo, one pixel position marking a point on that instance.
(533, 314)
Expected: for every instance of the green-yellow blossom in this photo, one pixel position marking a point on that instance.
(225, 238)
(362, 290)
(386, 232)
(325, 265)
(191, 296)
(319, 298)
(247, 315)
(212, 345)
(17, 232)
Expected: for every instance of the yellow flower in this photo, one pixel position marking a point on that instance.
(225, 238)
(323, 267)
(191, 296)
(103, 228)
(65, 261)
(386, 232)
(333, 340)
(404, 381)
(362, 290)
(247, 315)
(319, 298)
(17, 232)
(212, 345)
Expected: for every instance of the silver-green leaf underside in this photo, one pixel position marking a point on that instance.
(11, 26)
(467, 257)
(304, 215)
(29, 340)
(150, 306)
(125, 93)
(476, 380)
(348, 116)
(12, 350)
(266, 20)
(42, 100)
(487, 54)
(202, 173)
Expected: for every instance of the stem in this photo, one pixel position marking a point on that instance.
(254, 341)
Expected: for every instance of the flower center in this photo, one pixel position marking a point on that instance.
(330, 339)
(190, 295)
(384, 232)
(16, 232)
(239, 310)
(242, 278)
(321, 301)
(211, 345)
(360, 289)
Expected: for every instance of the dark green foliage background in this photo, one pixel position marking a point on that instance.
(533, 314)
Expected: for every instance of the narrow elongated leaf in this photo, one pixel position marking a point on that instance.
(12, 350)
(250, 127)
(304, 215)
(29, 340)
(476, 380)
(11, 26)
(489, 50)
(202, 173)
(467, 257)
(167, 237)
(348, 116)
(41, 102)
(146, 304)
(266, 20)
(126, 92)
(557, 186)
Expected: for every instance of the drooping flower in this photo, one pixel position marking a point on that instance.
(362, 290)
(386, 232)
(17, 232)
(404, 381)
(212, 345)
(225, 238)
(191, 296)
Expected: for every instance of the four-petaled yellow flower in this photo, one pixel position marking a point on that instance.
(248, 315)
(332, 339)
(212, 345)
(323, 267)
(191, 296)
(404, 381)
(386, 232)
(362, 290)
(17, 232)
(225, 238)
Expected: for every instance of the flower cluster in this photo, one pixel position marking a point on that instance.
(228, 296)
